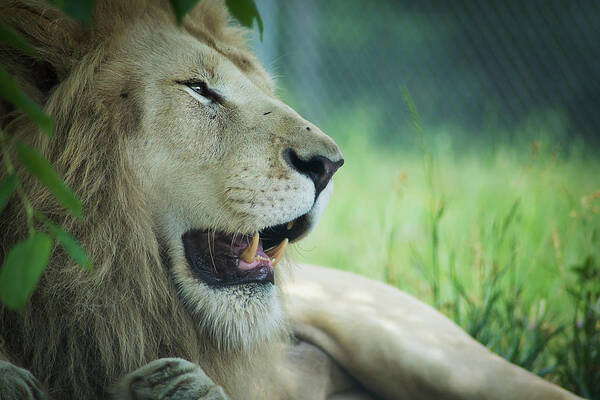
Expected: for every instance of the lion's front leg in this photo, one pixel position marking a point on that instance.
(18, 384)
(168, 378)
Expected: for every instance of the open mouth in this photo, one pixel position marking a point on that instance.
(225, 259)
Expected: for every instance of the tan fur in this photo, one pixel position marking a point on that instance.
(114, 115)
(400, 348)
(149, 160)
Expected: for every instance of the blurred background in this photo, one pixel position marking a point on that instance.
(472, 144)
(469, 66)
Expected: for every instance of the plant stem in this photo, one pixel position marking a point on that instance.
(4, 145)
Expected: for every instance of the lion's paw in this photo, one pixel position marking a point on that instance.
(168, 378)
(18, 384)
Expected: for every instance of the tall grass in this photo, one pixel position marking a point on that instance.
(504, 241)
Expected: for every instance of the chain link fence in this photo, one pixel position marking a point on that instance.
(483, 68)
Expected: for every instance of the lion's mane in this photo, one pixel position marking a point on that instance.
(83, 331)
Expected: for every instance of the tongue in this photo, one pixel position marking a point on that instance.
(252, 254)
(259, 259)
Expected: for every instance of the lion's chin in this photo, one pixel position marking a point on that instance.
(233, 317)
(227, 283)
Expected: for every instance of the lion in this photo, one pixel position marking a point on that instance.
(194, 177)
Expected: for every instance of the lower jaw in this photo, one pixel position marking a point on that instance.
(233, 318)
(212, 262)
(262, 276)
(223, 260)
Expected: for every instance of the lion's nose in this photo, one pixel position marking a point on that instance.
(318, 168)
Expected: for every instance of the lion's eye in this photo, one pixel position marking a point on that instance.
(201, 91)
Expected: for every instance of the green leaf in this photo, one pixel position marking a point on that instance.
(22, 269)
(70, 245)
(11, 93)
(12, 38)
(7, 186)
(182, 7)
(76, 9)
(39, 167)
(245, 12)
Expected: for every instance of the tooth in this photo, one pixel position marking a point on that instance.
(277, 253)
(290, 224)
(249, 253)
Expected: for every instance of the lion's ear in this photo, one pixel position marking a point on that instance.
(54, 38)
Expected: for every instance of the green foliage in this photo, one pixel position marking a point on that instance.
(22, 268)
(7, 187)
(12, 38)
(68, 243)
(80, 10)
(182, 7)
(10, 92)
(580, 357)
(41, 168)
(25, 262)
(245, 12)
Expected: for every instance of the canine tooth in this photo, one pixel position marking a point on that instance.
(249, 253)
(277, 253)
(290, 224)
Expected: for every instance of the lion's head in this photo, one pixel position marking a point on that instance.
(193, 177)
(220, 160)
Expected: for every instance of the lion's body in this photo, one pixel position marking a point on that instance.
(126, 141)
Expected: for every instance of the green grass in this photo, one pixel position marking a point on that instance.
(506, 242)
